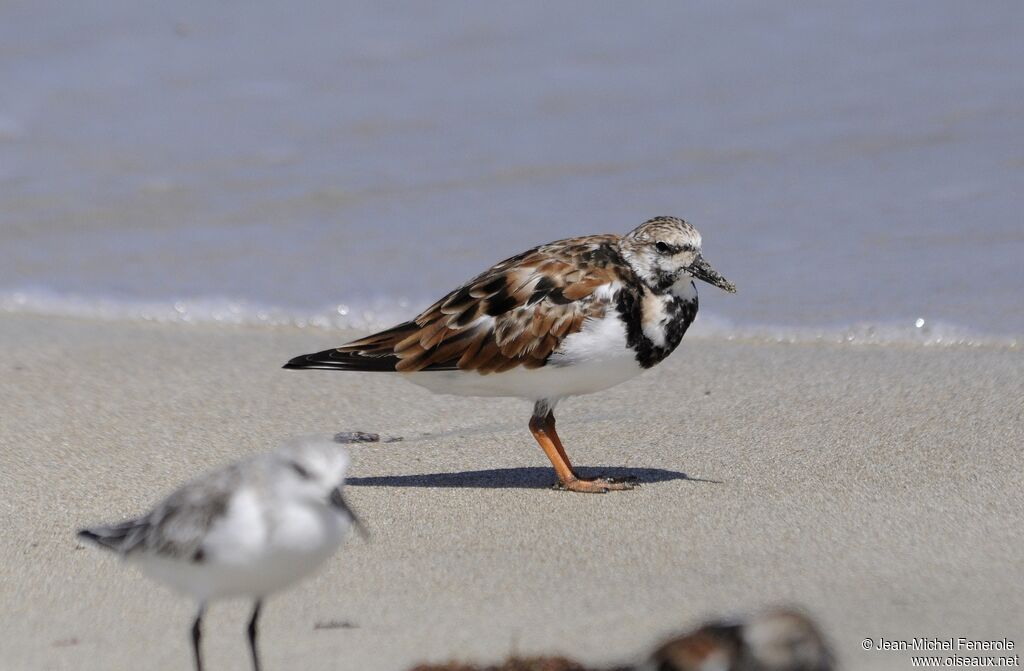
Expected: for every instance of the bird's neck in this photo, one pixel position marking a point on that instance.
(675, 286)
(683, 288)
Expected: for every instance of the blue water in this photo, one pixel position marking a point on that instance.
(858, 171)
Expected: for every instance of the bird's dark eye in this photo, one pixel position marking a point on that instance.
(298, 468)
(662, 248)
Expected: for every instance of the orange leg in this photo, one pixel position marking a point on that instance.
(543, 430)
(550, 419)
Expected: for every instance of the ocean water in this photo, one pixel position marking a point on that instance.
(857, 170)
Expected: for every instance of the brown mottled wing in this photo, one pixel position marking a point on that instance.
(713, 646)
(515, 314)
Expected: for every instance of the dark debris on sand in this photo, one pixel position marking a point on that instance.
(348, 437)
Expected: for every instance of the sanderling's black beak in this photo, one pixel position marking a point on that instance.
(339, 502)
(702, 270)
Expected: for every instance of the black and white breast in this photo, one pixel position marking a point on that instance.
(655, 321)
(638, 328)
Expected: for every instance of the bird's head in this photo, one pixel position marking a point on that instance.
(665, 250)
(314, 471)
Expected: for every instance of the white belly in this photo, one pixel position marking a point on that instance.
(591, 360)
(247, 556)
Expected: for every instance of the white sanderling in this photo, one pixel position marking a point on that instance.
(567, 318)
(246, 530)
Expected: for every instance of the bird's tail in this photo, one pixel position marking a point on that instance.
(373, 353)
(336, 359)
(117, 537)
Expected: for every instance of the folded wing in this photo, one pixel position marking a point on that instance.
(178, 526)
(515, 314)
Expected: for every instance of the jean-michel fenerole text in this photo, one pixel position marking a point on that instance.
(933, 643)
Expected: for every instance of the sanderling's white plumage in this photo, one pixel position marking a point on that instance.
(568, 318)
(246, 530)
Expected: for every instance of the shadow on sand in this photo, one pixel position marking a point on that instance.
(517, 478)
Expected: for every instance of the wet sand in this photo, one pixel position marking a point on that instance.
(878, 487)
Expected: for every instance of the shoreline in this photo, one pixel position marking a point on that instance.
(228, 314)
(876, 487)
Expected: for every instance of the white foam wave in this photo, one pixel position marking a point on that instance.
(203, 310)
(917, 331)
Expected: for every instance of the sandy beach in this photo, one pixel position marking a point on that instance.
(194, 193)
(878, 487)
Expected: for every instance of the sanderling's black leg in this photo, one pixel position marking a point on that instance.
(252, 635)
(196, 635)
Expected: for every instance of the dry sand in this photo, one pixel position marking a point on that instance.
(878, 487)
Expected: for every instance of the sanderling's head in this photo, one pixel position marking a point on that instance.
(665, 249)
(314, 471)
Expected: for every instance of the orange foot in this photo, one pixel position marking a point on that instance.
(597, 485)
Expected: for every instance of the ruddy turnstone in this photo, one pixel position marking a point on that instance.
(246, 530)
(567, 318)
(778, 640)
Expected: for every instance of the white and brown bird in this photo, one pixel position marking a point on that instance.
(567, 318)
(776, 640)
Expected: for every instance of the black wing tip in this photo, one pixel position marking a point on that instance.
(298, 363)
(88, 535)
(99, 538)
(334, 359)
(317, 360)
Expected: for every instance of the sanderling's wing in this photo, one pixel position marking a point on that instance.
(178, 526)
(515, 314)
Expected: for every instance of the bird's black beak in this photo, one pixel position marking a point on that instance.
(339, 502)
(702, 270)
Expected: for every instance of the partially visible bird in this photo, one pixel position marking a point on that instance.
(777, 640)
(246, 530)
(514, 663)
(567, 318)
